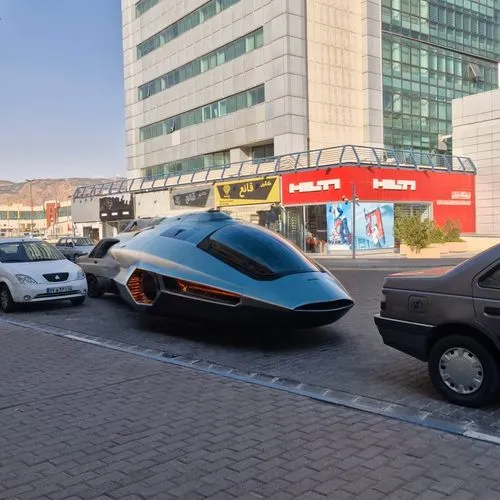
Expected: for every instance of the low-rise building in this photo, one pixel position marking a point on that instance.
(476, 133)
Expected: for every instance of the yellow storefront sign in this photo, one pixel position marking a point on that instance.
(248, 192)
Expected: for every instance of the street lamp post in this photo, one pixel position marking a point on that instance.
(31, 202)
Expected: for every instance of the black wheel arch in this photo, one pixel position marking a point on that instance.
(473, 331)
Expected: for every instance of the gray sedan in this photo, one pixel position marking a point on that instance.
(450, 318)
(73, 247)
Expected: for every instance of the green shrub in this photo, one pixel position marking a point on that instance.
(413, 231)
(451, 231)
(436, 235)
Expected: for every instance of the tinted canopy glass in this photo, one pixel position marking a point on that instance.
(256, 252)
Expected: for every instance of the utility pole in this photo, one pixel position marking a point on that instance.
(31, 202)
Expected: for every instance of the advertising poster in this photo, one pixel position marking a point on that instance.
(374, 226)
(339, 225)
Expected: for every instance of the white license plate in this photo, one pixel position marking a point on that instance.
(59, 289)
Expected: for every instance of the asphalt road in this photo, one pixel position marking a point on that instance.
(348, 356)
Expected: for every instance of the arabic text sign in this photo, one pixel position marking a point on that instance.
(196, 198)
(248, 192)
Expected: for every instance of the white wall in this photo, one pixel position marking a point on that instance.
(476, 133)
(280, 64)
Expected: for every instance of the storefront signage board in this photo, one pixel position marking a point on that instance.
(200, 197)
(248, 192)
(452, 195)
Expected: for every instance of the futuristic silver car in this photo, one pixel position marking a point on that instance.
(211, 267)
(449, 317)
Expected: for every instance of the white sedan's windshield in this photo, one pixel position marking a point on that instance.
(28, 251)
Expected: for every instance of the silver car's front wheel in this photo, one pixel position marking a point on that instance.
(461, 370)
(465, 370)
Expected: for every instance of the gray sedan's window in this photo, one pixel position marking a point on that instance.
(102, 248)
(491, 280)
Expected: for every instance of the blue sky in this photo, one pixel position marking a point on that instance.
(61, 89)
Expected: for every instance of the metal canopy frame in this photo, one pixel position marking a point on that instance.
(335, 157)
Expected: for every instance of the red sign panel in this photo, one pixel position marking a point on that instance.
(451, 194)
(51, 213)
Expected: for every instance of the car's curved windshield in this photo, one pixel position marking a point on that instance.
(28, 251)
(256, 252)
(83, 242)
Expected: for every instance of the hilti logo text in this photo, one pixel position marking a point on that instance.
(311, 186)
(394, 185)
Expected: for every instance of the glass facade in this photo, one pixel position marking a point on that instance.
(204, 63)
(265, 151)
(199, 16)
(143, 6)
(187, 165)
(434, 51)
(21, 215)
(202, 114)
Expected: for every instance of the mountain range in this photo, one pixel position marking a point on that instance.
(12, 193)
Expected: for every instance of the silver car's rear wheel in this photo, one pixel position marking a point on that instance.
(465, 370)
(461, 370)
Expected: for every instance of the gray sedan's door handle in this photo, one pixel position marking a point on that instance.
(492, 311)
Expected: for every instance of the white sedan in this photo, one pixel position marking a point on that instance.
(34, 271)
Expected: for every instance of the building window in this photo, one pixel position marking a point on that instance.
(193, 164)
(143, 6)
(266, 151)
(202, 64)
(204, 113)
(199, 16)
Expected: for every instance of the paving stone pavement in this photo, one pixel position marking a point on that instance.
(348, 356)
(84, 422)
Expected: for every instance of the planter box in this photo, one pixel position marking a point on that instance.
(457, 246)
(434, 251)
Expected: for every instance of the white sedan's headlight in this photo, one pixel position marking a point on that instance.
(80, 275)
(25, 279)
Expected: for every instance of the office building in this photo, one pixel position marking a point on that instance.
(434, 51)
(220, 81)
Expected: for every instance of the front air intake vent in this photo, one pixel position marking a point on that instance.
(326, 306)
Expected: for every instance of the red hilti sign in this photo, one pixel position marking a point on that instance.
(451, 194)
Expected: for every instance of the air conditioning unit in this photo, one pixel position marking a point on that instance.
(170, 126)
(443, 140)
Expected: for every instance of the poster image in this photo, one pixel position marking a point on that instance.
(339, 225)
(374, 227)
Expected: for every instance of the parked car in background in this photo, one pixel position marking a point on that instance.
(100, 267)
(73, 247)
(34, 271)
(450, 318)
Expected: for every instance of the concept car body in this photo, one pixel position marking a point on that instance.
(209, 266)
(449, 317)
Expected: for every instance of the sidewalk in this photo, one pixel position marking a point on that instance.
(85, 422)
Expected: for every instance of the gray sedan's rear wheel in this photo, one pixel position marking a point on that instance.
(94, 290)
(464, 371)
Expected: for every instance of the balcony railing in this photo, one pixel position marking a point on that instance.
(340, 156)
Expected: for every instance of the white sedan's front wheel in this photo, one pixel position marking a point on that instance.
(7, 303)
(78, 301)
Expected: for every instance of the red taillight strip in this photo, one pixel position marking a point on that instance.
(197, 289)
